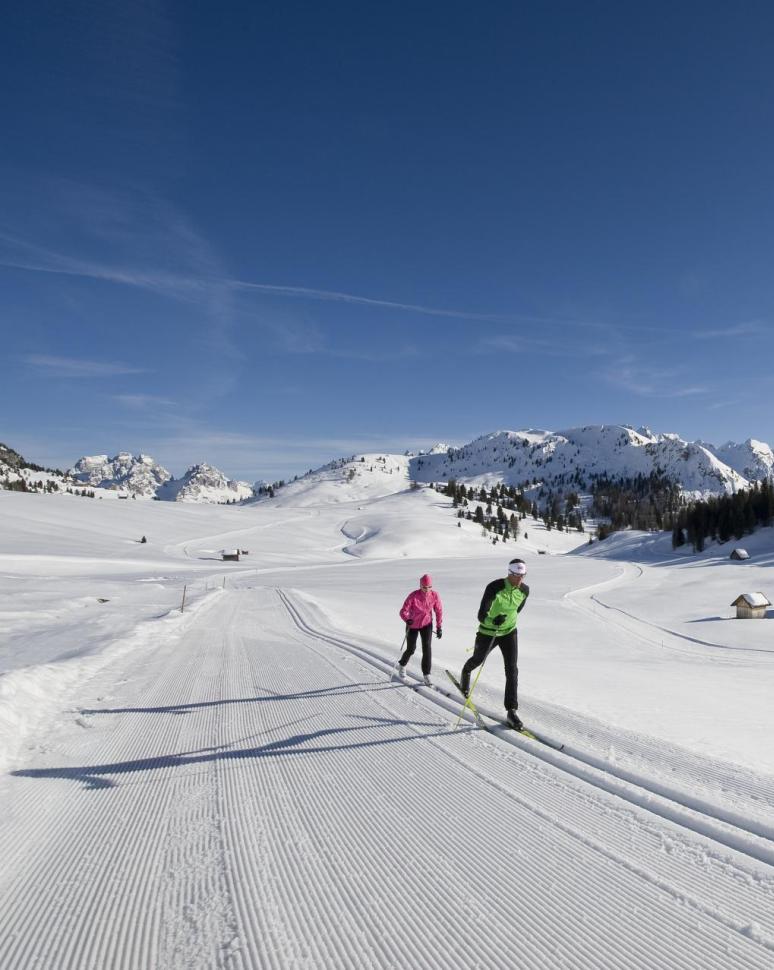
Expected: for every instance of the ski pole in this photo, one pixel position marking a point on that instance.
(402, 645)
(469, 698)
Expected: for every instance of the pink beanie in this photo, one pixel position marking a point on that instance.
(426, 581)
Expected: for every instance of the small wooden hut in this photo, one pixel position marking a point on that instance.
(231, 556)
(739, 554)
(751, 606)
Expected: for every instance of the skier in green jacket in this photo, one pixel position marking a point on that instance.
(501, 604)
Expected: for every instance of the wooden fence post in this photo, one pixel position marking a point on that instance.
(182, 605)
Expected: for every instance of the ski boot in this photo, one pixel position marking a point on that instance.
(513, 719)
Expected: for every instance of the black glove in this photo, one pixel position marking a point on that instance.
(499, 620)
(439, 633)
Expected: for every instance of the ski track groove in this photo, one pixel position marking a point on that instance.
(752, 835)
(736, 922)
(662, 885)
(289, 831)
(697, 772)
(79, 870)
(126, 935)
(409, 955)
(354, 956)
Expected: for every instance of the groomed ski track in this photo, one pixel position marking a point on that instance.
(256, 795)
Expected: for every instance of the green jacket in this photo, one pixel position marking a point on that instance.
(501, 598)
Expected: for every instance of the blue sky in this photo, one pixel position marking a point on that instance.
(265, 235)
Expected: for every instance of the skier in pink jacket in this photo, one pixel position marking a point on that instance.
(417, 614)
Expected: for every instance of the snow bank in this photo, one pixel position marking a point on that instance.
(31, 697)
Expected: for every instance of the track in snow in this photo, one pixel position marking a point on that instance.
(256, 797)
(588, 600)
(723, 802)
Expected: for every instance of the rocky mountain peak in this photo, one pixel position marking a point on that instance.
(140, 476)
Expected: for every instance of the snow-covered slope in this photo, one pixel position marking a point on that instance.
(140, 476)
(575, 457)
(16, 471)
(10, 460)
(209, 755)
(203, 483)
(352, 479)
(249, 791)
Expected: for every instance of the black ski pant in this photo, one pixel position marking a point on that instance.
(426, 632)
(509, 646)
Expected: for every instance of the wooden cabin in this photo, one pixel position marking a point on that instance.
(751, 606)
(739, 554)
(231, 556)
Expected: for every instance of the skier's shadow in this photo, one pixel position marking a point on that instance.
(337, 691)
(97, 777)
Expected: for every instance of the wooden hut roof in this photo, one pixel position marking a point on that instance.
(751, 599)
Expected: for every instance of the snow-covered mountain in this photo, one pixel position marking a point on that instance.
(438, 449)
(140, 476)
(754, 460)
(11, 462)
(560, 460)
(353, 479)
(143, 477)
(203, 483)
(575, 457)
(17, 472)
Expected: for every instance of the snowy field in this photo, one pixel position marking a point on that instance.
(241, 785)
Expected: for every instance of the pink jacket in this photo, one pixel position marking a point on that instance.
(417, 611)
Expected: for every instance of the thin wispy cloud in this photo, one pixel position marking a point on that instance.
(106, 229)
(646, 381)
(389, 354)
(522, 343)
(34, 258)
(23, 255)
(132, 237)
(71, 367)
(142, 402)
(203, 438)
(333, 296)
(404, 352)
(542, 320)
(687, 391)
(192, 286)
(724, 405)
(289, 333)
(751, 328)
